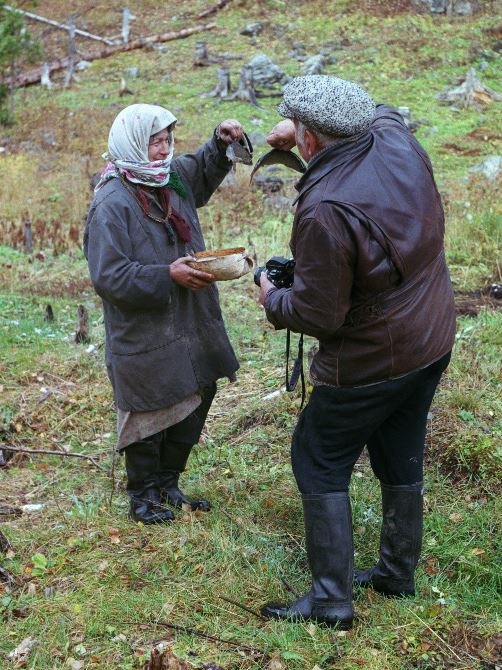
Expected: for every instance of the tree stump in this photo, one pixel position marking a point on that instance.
(45, 78)
(28, 237)
(222, 88)
(201, 55)
(82, 334)
(49, 313)
(470, 93)
(246, 91)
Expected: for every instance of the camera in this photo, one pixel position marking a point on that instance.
(279, 270)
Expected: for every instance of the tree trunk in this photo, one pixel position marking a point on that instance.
(34, 76)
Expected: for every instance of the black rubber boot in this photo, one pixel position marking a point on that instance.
(328, 536)
(400, 542)
(173, 458)
(142, 464)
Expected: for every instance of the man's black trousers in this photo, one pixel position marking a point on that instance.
(390, 418)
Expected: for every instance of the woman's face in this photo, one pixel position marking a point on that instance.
(160, 144)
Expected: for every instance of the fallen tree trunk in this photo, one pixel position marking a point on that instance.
(34, 76)
(56, 24)
(213, 9)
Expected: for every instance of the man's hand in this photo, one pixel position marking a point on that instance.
(186, 276)
(265, 286)
(229, 131)
(282, 136)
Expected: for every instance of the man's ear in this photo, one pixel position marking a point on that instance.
(311, 143)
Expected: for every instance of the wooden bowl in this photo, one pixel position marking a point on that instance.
(223, 264)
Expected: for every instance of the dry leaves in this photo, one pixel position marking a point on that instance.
(163, 658)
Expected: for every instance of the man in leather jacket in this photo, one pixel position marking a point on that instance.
(371, 284)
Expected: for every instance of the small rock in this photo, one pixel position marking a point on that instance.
(34, 507)
(314, 65)
(252, 29)
(82, 65)
(489, 168)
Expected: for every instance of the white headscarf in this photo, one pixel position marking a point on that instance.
(128, 145)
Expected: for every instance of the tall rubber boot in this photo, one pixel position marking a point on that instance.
(328, 536)
(173, 459)
(177, 443)
(142, 464)
(400, 542)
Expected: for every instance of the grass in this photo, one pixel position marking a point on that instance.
(94, 589)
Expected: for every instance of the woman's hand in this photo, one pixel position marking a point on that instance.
(229, 131)
(186, 276)
(282, 136)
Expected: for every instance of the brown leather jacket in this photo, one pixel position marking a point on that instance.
(371, 282)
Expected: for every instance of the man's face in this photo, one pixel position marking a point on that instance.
(160, 144)
(301, 144)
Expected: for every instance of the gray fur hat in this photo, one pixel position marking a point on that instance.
(330, 105)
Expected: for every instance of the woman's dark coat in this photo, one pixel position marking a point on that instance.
(163, 342)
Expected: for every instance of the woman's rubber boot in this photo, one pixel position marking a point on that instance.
(328, 537)
(142, 464)
(400, 542)
(173, 459)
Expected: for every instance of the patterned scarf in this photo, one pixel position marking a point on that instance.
(128, 148)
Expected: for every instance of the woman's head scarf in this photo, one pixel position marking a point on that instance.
(128, 146)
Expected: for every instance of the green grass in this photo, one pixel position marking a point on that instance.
(93, 587)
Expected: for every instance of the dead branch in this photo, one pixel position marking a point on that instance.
(34, 76)
(242, 607)
(7, 512)
(62, 26)
(193, 631)
(22, 450)
(213, 9)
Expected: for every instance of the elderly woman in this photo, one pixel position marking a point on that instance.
(166, 343)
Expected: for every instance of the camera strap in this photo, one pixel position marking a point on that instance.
(297, 372)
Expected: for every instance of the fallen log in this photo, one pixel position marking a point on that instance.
(34, 76)
(213, 9)
(56, 24)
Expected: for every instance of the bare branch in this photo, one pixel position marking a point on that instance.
(22, 450)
